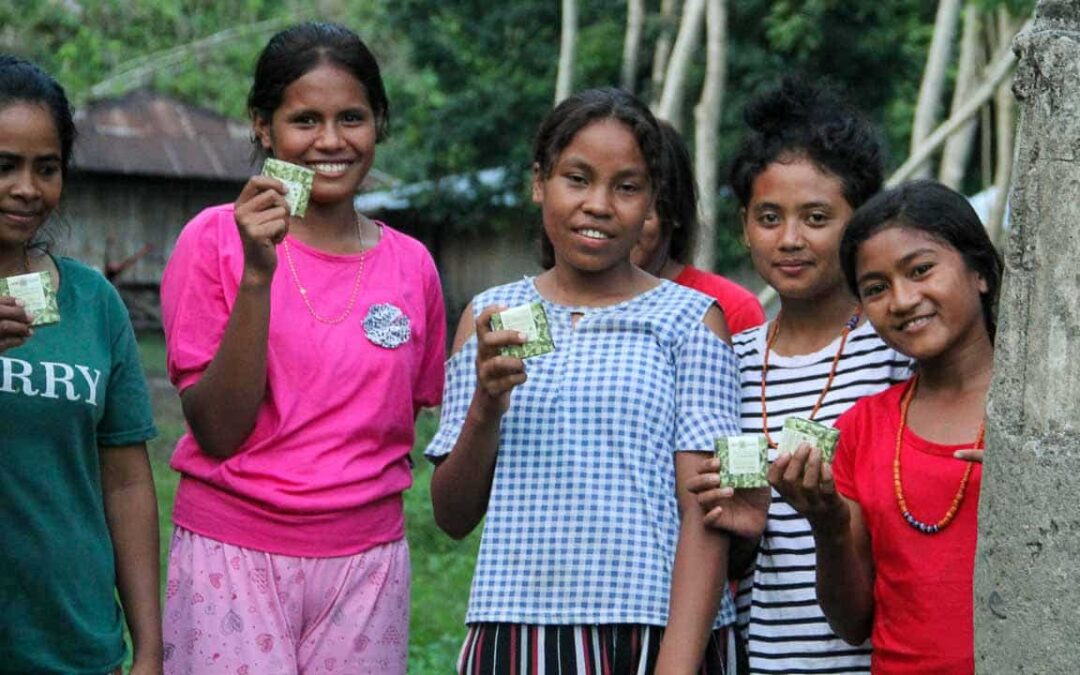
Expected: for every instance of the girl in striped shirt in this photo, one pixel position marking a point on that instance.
(807, 163)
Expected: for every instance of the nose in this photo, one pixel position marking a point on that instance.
(904, 297)
(26, 185)
(329, 138)
(597, 202)
(791, 235)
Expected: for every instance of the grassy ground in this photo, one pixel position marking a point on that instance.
(442, 568)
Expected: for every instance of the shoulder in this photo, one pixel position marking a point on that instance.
(403, 244)
(720, 287)
(211, 226)
(746, 343)
(873, 408)
(510, 294)
(92, 290)
(86, 280)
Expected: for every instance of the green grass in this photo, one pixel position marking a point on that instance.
(441, 568)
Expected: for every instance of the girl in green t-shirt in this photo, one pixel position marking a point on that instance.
(80, 515)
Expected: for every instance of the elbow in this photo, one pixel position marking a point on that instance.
(211, 445)
(854, 635)
(453, 529)
(453, 524)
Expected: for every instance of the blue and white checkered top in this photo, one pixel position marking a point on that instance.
(582, 521)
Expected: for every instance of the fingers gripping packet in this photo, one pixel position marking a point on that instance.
(744, 461)
(297, 179)
(798, 431)
(531, 320)
(35, 290)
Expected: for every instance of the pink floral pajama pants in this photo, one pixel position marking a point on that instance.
(239, 611)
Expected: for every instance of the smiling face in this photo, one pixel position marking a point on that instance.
(325, 123)
(793, 224)
(597, 197)
(920, 294)
(30, 172)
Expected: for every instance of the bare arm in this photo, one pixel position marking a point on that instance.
(127, 488)
(698, 578)
(222, 406)
(461, 484)
(845, 567)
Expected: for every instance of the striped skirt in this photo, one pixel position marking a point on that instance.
(618, 649)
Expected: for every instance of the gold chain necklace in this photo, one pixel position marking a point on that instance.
(355, 289)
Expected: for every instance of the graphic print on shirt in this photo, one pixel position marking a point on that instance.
(48, 379)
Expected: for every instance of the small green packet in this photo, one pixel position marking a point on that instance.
(798, 431)
(530, 319)
(297, 179)
(36, 292)
(744, 461)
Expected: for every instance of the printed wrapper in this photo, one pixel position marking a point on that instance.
(798, 431)
(297, 179)
(531, 320)
(36, 292)
(744, 461)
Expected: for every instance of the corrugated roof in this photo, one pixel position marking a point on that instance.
(144, 133)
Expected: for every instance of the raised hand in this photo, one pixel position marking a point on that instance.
(742, 512)
(496, 375)
(14, 323)
(806, 483)
(262, 219)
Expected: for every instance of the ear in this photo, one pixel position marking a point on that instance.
(537, 184)
(261, 129)
(984, 287)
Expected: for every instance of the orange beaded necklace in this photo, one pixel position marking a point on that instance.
(927, 528)
(848, 327)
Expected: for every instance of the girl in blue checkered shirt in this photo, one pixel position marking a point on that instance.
(594, 558)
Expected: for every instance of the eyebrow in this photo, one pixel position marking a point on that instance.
(906, 260)
(51, 157)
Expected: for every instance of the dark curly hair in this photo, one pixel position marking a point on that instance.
(23, 82)
(801, 119)
(295, 51)
(558, 129)
(942, 213)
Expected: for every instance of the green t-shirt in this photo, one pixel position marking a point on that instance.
(71, 388)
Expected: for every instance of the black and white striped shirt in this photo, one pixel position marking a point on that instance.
(778, 612)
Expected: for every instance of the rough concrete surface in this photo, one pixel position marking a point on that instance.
(1027, 574)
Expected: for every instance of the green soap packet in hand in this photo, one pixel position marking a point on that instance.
(35, 290)
(530, 319)
(297, 179)
(820, 436)
(744, 461)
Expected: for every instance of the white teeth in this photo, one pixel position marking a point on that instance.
(917, 322)
(327, 167)
(594, 234)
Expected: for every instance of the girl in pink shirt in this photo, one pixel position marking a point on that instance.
(302, 347)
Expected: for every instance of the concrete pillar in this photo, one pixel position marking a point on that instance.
(1027, 571)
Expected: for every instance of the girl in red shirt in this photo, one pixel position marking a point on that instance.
(894, 517)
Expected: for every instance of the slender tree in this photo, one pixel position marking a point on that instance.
(686, 43)
(635, 24)
(932, 88)
(706, 128)
(957, 152)
(564, 80)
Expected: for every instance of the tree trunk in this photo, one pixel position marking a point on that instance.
(997, 71)
(564, 81)
(671, 100)
(1026, 595)
(663, 50)
(635, 22)
(933, 80)
(707, 122)
(954, 158)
